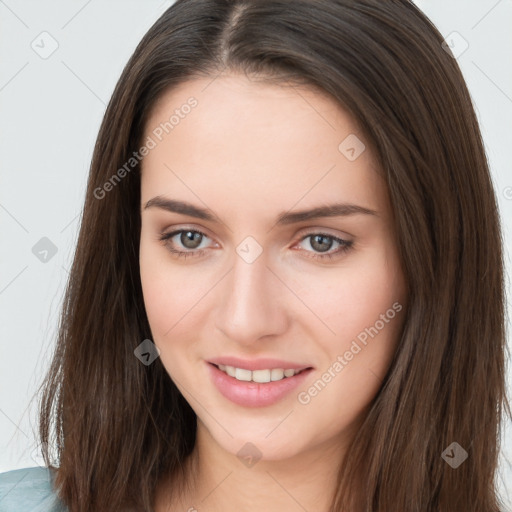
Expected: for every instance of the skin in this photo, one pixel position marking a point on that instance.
(249, 152)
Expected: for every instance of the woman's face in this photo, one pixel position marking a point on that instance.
(252, 276)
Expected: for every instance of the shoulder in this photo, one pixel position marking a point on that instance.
(29, 489)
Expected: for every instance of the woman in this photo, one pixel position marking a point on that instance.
(287, 292)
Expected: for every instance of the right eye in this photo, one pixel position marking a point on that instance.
(178, 240)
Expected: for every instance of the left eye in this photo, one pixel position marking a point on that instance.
(322, 243)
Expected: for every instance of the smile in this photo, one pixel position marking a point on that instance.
(255, 388)
(260, 376)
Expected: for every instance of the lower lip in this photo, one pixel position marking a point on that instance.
(254, 394)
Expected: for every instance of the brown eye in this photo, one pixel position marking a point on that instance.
(191, 239)
(321, 243)
(184, 242)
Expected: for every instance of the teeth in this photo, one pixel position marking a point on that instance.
(276, 374)
(241, 374)
(260, 376)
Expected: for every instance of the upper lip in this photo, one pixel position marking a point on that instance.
(258, 364)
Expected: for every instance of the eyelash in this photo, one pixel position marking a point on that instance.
(345, 245)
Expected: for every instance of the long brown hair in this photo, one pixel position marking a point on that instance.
(117, 425)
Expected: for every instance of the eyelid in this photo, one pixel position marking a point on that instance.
(185, 227)
(316, 230)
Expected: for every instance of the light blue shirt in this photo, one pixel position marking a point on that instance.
(29, 490)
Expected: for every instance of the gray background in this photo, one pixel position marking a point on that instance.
(51, 109)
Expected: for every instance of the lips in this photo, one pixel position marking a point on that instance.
(251, 393)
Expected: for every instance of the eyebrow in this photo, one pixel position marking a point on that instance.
(284, 218)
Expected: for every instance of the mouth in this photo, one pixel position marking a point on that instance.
(259, 376)
(256, 388)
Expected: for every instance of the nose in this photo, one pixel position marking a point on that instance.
(251, 304)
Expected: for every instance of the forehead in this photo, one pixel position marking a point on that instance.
(245, 143)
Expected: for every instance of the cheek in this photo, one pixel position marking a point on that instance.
(171, 318)
(354, 295)
(363, 303)
(171, 294)
(365, 310)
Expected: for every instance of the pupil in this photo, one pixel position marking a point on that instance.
(321, 243)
